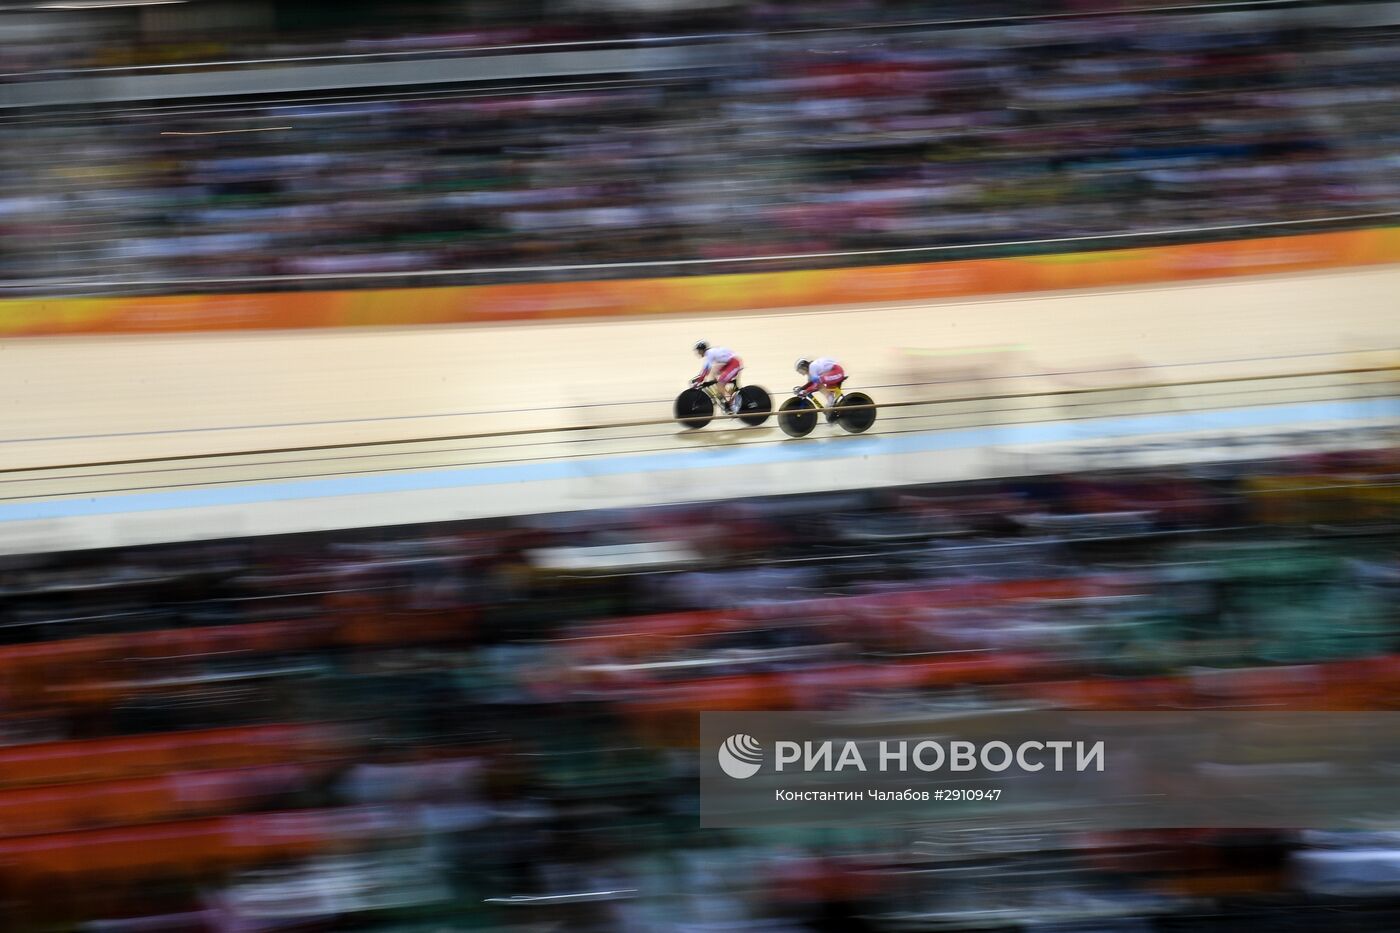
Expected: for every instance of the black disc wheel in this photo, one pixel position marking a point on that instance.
(754, 406)
(860, 419)
(797, 417)
(694, 409)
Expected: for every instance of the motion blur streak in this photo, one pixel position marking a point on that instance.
(330, 622)
(777, 142)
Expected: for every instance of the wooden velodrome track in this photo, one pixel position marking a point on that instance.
(72, 400)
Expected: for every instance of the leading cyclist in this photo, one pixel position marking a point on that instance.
(720, 367)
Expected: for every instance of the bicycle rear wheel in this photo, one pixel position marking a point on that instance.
(754, 405)
(858, 421)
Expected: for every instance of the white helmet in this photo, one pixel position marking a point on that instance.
(803, 365)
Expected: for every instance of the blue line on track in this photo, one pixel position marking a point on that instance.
(874, 445)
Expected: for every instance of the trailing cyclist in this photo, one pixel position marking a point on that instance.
(824, 375)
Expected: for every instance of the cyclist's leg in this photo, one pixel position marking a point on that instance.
(832, 392)
(728, 382)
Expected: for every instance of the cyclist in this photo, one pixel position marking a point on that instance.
(824, 375)
(720, 367)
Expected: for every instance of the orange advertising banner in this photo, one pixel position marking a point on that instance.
(468, 304)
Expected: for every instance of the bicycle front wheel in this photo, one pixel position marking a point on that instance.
(798, 417)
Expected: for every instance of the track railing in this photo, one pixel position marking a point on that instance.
(1377, 388)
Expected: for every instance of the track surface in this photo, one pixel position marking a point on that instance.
(72, 400)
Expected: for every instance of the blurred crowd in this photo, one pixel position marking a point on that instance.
(835, 139)
(492, 725)
(360, 28)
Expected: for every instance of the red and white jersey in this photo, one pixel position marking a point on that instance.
(717, 356)
(822, 367)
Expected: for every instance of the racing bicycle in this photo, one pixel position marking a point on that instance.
(854, 412)
(695, 407)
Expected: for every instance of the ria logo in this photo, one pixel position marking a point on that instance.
(740, 756)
